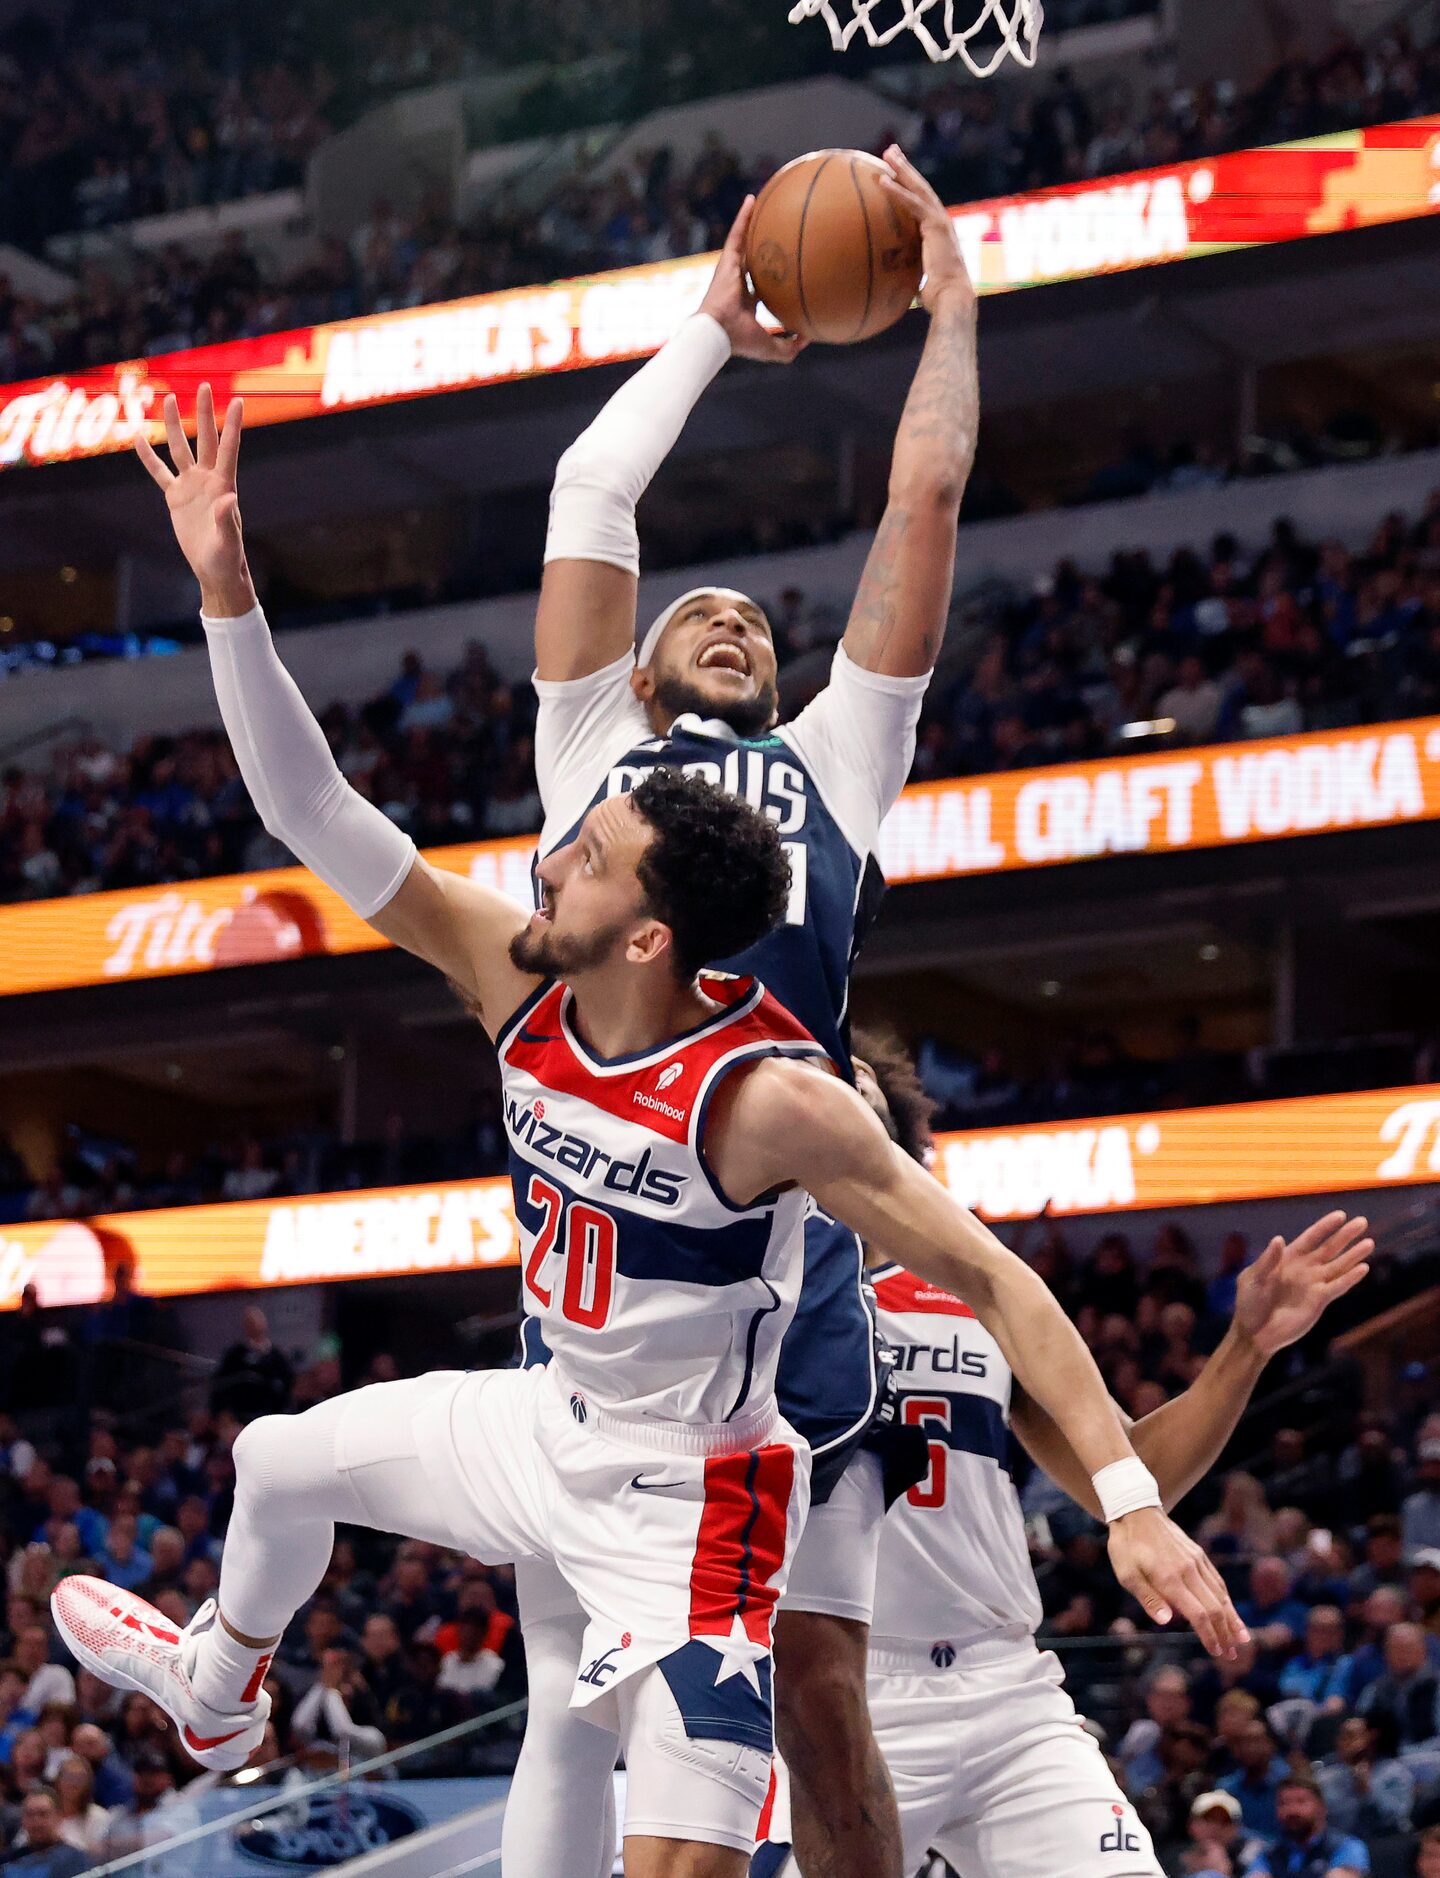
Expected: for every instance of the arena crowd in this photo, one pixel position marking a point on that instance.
(1328, 1723)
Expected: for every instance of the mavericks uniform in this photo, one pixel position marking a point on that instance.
(648, 1461)
(991, 1765)
(827, 780)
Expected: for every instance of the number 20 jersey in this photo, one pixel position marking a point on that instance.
(954, 1562)
(657, 1296)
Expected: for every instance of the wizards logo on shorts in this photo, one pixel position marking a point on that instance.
(1119, 1838)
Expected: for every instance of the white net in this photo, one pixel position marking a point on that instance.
(1004, 29)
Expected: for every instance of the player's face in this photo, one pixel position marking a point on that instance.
(592, 904)
(717, 659)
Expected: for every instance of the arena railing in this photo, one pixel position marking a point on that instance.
(351, 1792)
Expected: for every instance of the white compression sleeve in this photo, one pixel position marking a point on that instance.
(602, 476)
(293, 779)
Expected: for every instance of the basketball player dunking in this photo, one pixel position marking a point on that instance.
(991, 1766)
(700, 692)
(662, 1248)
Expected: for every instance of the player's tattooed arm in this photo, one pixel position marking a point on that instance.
(1280, 1298)
(782, 1124)
(898, 619)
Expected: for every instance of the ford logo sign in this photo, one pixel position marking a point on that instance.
(331, 1830)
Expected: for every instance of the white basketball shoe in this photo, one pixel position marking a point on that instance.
(131, 1645)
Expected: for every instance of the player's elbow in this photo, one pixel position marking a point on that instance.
(933, 487)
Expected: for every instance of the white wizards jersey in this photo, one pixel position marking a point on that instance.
(954, 1563)
(657, 1296)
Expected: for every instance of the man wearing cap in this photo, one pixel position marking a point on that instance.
(1425, 1586)
(1420, 1515)
(1306, 1845)
(1219, 1845)
(699, 692)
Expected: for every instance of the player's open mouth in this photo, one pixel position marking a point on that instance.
(724, 656)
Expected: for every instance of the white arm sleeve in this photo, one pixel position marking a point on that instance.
(602, 476)
(583, 726)
(857, 739)
(294, 781)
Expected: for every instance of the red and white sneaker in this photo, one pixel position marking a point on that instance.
(131, 1645)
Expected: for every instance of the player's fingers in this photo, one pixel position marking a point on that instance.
(1201, 1610)
(918, 184)
(207, 441)
(1147, 1594)
(1229, 1616)
(1337, 1287)
(228, 458)
(1343, 1240)
(160, 472)
(180, 451)
(786, 347)
(1315, 1235)
(892, 185)
(735, 240)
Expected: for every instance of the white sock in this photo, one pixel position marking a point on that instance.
(228, 1675)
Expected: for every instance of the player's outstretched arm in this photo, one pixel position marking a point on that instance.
(287, 765)
(898, 620)
(1280, 1298)
(784, 1124)
(586, 617)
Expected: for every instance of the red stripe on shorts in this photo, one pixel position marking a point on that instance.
(741, 1542)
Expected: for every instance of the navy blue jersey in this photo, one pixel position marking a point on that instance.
(835, 891)
(827, 780)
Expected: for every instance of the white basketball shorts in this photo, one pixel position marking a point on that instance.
(993, 1769)
(675, 1540)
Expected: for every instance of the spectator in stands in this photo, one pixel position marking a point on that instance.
(1218, 1845)
(1408, 1694)
(1427, 1854)
(1244, 1525)
(1274, 1616)
(83, 1822)
(1306, 1846)
(1255, 1784)
(254, 1377)
(1368, 1790)
(1320, 1671)
(471, 1668)
(1420, 1514)
(1167, 1701)
(339, 1708)
(45, 1681)
(43, 1851)
(1384, 1561)
(138, 1824)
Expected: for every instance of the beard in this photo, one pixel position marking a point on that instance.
(747, 717)
(547, 954)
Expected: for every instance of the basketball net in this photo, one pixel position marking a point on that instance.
(933, 24)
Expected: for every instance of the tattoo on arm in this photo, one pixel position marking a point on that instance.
(904, 593)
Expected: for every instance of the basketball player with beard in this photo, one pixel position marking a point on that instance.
(662, 1250)
(700, 692)
(991, 1766)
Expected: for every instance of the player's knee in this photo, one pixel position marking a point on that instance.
(264, 1455)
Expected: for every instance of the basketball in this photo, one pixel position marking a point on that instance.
(831, 253)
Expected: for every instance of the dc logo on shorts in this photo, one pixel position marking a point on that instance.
(1119, 1838)
(673, 1074)
(942, 1655)
(579, 1410)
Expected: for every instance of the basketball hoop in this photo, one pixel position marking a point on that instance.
(933, 23)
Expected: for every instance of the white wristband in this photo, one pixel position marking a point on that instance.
(1125, 1487)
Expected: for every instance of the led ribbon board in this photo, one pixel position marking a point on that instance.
(1247, 198)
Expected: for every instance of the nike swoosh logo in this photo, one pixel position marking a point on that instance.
(525, 1035)
(202, 1744)
(654, 1486)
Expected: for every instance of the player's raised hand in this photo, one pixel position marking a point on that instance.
(1284, 1293)
(1169, 1575)
(730, 301)
(204, 508)
(945, 269)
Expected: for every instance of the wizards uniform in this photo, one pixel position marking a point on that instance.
(827, 780)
